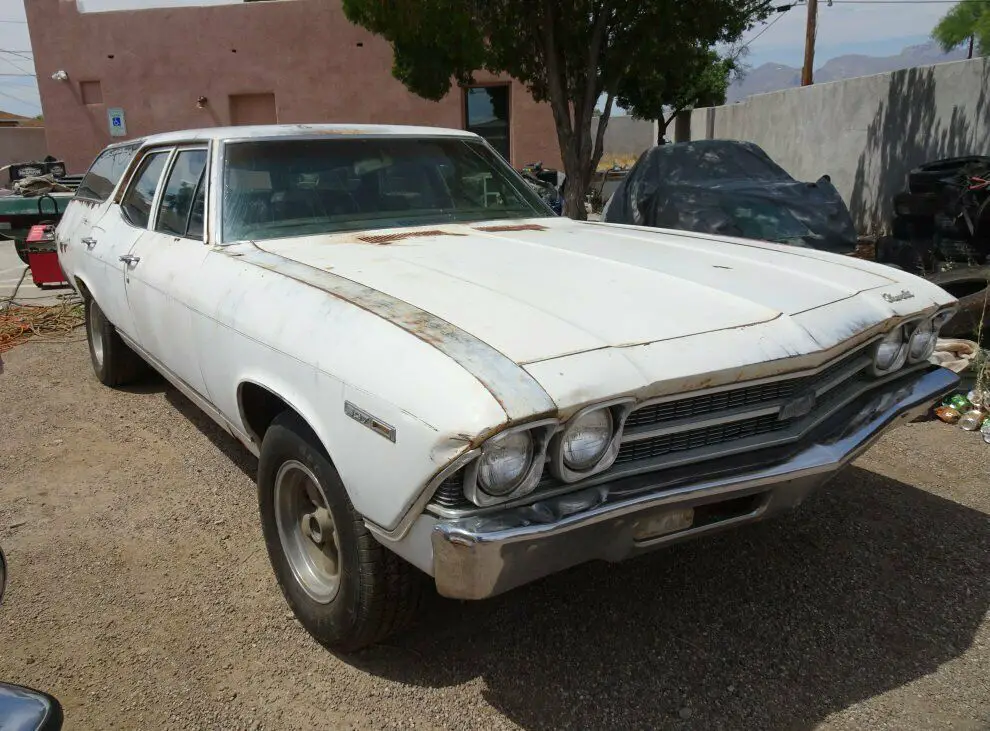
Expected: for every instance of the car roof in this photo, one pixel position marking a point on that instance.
(301, 130)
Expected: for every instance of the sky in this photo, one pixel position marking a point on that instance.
(871, 27)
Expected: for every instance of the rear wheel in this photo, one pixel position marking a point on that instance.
(113, 362)
(345, 588)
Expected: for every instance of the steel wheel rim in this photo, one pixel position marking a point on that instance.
(96, 335)
(307, 532)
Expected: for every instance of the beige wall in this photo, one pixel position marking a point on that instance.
(156, 64)
(866, 133)
(21, 144)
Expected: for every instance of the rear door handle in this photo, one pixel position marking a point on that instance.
(130, 259)
(89, 241)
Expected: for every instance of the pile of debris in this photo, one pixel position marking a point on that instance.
(968, 407)
(942, 221)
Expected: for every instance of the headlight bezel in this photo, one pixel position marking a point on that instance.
(541, 433)
(908, 329)
(619, 410)
(926, 324)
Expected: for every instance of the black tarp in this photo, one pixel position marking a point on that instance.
(732, 189)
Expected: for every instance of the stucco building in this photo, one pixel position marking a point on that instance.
(139, 72)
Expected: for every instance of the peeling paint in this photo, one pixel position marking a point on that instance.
(510, 227)
(517, 392)
(383, 239)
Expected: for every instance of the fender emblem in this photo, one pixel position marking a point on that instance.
(372, 422)
(902, 295)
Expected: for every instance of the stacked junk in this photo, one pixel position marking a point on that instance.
(941, 230)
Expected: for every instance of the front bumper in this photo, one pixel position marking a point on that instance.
(479, 557)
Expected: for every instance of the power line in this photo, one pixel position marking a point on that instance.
(26, 55)
(768, 27)
(19, 22)
(21, 101)
(5, 74)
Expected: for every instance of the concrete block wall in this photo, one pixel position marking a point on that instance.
(866, 133)
(21, 144)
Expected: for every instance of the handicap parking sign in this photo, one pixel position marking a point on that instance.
(115, 119)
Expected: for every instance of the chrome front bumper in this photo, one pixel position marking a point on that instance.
(475, 558)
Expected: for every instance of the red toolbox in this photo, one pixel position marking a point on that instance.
(43, 256)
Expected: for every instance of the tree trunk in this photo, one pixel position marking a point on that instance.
(971, 39)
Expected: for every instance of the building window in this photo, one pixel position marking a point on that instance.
(486, 113)
(253, 109)
(91, 92)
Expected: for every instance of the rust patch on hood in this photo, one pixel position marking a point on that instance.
(516, 227)
(382, 239)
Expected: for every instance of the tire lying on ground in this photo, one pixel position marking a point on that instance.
(969, 285)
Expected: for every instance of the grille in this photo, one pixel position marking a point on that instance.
(449, 494)
(712, 403)
(687, 440)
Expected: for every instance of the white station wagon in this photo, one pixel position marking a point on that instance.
(441, 378)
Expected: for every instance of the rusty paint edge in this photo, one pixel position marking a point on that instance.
(518, 393)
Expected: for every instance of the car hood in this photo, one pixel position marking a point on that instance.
(545, 288)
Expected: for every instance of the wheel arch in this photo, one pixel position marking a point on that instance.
(258, 404)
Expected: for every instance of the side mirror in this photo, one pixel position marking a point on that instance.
(23, 709)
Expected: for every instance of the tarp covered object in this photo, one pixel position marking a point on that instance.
(733, 189)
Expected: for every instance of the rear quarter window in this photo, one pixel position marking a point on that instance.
(98, 184)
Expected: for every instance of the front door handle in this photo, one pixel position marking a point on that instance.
(89, 241)
(130, 259)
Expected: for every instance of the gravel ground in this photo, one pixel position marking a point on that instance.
(140, 595)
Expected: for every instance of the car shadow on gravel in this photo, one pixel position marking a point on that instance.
(871, 585)
(221, 439)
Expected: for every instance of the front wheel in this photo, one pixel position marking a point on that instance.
(344, 587)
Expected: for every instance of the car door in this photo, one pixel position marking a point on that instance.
(117, 232)
(163, 277)
(94, 197)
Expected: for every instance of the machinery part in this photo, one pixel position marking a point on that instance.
(969, 285)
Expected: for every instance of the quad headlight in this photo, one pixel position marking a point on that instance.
(891, 353)
(505, 462)
(922, 342)
(586, 439)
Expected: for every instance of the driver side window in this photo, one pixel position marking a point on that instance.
(137, 202)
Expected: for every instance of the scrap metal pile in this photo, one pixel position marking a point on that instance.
(941, 230)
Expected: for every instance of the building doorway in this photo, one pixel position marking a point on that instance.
(486, 113)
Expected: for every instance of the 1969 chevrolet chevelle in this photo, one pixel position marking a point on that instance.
(440, 378)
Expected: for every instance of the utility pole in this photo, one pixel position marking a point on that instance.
(807, 73)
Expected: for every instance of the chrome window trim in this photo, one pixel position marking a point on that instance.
(163, 183)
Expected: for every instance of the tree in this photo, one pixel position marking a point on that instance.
(569, 53)
(691, 77)
(967, 22)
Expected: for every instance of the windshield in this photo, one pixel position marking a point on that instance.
(294, 187)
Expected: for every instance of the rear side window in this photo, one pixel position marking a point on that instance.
(136, 205)
(105, 173)
(184, 180)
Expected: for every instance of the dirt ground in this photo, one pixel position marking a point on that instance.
(140, 595)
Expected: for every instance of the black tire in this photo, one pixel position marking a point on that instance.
(377, 593)
(969, 285)
(113, 362)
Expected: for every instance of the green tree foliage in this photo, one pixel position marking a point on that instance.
(569, 53)
(965, 22)
(687, 78)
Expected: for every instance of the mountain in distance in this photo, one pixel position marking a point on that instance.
(774, 76)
